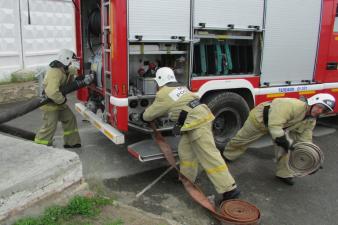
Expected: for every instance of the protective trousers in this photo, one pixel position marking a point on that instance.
(249, 133)
(198, 147)
(50, 119)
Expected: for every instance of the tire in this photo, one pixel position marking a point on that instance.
(230, 111)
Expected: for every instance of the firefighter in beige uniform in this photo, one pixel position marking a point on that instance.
(57, 76)
(294, 116)
(197, 143)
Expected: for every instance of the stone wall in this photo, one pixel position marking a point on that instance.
(15, 92)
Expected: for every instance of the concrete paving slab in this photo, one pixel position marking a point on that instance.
(320, 131)
(31, 172)
(101, 158)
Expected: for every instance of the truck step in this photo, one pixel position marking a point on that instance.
(148, 150)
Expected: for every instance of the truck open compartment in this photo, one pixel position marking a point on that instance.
(144, 60)
(219, 53)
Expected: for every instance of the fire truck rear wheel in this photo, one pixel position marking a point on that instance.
(230, 111)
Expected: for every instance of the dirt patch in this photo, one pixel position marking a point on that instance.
(16, 92)
(121, 215)
(132, 216)
(167, 198)
(124, 209)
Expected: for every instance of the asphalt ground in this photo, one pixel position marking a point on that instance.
(313, 200)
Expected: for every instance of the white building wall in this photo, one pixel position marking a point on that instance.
(10, 41)
(34, 43)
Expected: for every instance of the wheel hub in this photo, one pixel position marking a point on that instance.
(227, 122)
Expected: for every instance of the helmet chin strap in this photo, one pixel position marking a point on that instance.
(308, 113)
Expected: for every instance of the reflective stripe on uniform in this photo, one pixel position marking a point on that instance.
(198, 122)
(69, 132)
(41, 142)
(191, 164)
(217, 169)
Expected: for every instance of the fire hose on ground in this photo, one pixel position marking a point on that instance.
(35, 103)
(305, 159)
(230, 212)
(14, 131)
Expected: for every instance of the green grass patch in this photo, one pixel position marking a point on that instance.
(23, 76)
(19, 77)
(116, 222)
(77, 206)
(5, 82)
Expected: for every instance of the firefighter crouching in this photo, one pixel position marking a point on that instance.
(194, 124)
(281, 116)
(59, 74)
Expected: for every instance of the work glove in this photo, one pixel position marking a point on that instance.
(89, 78)
(141, 118)
(284, 143)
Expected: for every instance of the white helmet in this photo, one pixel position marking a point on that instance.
(67, 57)
(164, 75)
(325, 99)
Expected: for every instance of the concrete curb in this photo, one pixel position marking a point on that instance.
(30, 173)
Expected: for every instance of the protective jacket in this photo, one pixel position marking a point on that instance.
(171, 101)
(57, 110)
(55, 79)
(285, 114)
(197, 146)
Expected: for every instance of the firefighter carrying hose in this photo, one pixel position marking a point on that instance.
(281, 116)
(59, 74)
(193, 123)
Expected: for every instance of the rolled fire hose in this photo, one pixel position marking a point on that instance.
(231, 211)
(306, 158)
(29, 106)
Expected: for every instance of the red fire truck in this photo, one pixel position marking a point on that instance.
(234, 54)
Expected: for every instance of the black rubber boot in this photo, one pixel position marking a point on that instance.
(286, 180)
(72, 146)
(231, 194)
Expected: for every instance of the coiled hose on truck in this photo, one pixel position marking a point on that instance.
(35, 103)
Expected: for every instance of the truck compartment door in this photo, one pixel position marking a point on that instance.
(221, 13)
(327, 67)
(332, 62)
(156, 20)
(290, 41)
